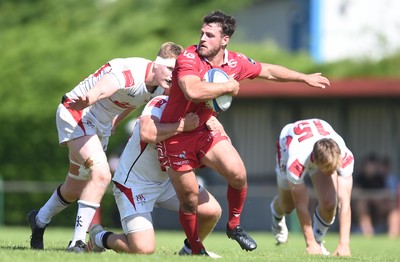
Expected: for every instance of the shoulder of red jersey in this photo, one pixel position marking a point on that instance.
(241, 56)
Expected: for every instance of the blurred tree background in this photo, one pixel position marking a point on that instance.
(49, 46)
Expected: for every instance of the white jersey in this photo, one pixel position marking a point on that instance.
(295, 146)
(139, 183)
(132, 93)
(139, 161)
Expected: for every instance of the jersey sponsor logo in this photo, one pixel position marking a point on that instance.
(129, 81)
(296, 168)
(122, 104)
(181, 163)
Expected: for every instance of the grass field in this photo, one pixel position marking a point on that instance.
(14, 247)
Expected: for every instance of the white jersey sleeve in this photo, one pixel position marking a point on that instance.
(131, 74)
(296, 143)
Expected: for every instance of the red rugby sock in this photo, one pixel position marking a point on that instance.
(189, 224)
(236, 198)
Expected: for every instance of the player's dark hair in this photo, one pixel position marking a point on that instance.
(227, 22)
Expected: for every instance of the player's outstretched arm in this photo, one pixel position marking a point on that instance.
(283, 74)
(345, 185)
(301, 200)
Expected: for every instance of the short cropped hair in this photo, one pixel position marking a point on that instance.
(327, 155)
(170, 50)
(227, 22)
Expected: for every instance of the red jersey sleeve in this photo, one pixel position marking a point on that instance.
(249, 68)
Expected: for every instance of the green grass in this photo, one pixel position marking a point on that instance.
(14, 247)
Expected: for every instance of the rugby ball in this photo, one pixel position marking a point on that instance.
(221, 103)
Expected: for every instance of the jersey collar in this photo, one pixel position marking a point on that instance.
(226, 58)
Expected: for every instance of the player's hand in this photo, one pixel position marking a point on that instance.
(213, 124)
(190, 121)
(314, 249)
(317, 80)
(342, 251)
(78, 103)
(233, 86)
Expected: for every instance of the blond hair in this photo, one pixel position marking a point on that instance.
(327, 155)
(170, 50)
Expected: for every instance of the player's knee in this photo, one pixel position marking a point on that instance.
(328, 205)
(288, 209)
(237, 178)
(142, 249)
(238, 184)
(211, 212)
(97, 167)
(216, 215)
(189, 205)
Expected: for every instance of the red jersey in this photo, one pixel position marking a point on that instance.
(190, 63)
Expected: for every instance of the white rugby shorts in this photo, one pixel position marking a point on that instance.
(142, 197)
(70, 128)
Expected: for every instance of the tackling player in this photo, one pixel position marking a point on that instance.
(183, 153)
(85, 120)
(312, 147)
(140, 185)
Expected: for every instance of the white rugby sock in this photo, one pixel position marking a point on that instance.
(98, 239)
(320, 227)
(86, 211)
(274, 214)
(53, 206)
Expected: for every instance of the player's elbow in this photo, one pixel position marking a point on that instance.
(192, 96)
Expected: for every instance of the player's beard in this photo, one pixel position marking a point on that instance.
(209, 53)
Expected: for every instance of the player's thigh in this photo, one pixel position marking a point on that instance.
(224, 158)
(185, 184)
(80, 149)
